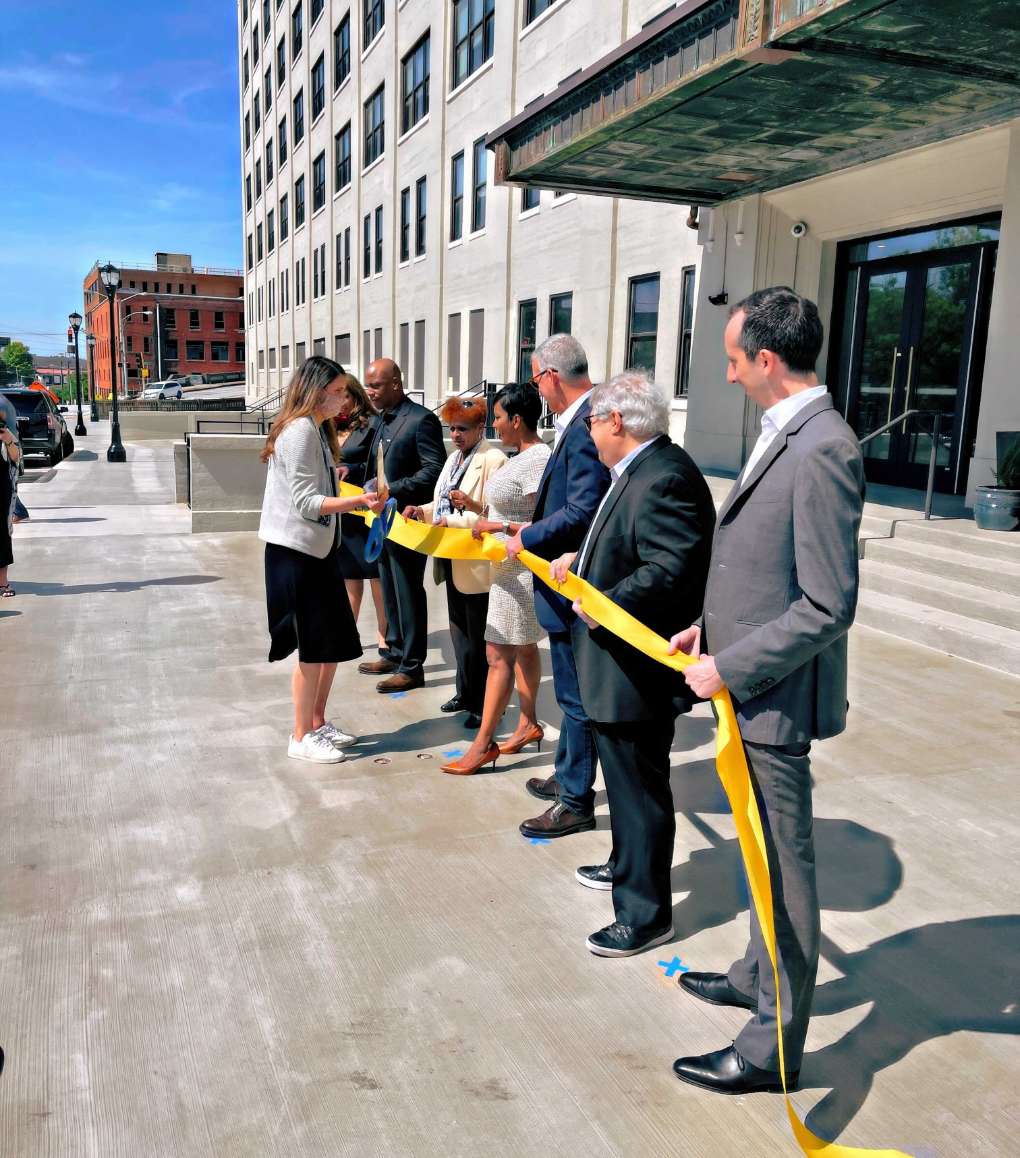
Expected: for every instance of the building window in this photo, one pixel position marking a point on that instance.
(301, 281)
(342, 149)
(315, 273)
(375, 17)
(285, 357)
(457, 197)
(272, 297)
(476, 346)
(299, 117)
(218, 322)
(281, 140)
(267, 89)
(195, 351)
(529, 199)
(170, 319)
(473, 25)
(535, 8)
(247, 192)
(299, 202)
(258, 242)
(319, 182)
(419, 223)
(643, 322)
(269, 161)
(342, 52)
(255, 44)
(342, 349)
(272, 357)
(299, 354)
(378, 239)
(245, 69)
(239, 351)
(527, 317)
(416, 83)
(271, 230)
(561, 307)
(145, 345)
(262, 359)
(366, 262)
(347, 256)
(375, 124)
(170, 349)
(317, 7)
(219, 351)
(130, 343)
(256, 105)
(251, 251)
(318, 86)
(683, 361)
(453, 351)
(258, 178)
(296, 32)
(247, 131)
(481, 168)
(267, 17)
(284, 219)
(405, 224)
(339, 259)
(319, 347)
(281, 61)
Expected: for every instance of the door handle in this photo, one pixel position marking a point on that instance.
(910, 374)
(892, 381)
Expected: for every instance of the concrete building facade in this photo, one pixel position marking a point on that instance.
(173, 320)
(373, 224)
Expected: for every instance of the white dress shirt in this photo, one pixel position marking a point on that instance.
(562, 421)
(774, 419)
(616, 473)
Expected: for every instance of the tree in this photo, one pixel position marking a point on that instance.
(18, 360)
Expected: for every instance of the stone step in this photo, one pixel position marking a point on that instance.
(961, 566)
(960, 535)
(935, 591)
(945, 631)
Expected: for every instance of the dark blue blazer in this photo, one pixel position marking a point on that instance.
(568, 496)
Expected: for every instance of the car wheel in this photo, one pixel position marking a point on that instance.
(67, 445)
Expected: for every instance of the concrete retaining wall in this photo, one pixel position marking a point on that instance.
(146, 425)
(227, 482)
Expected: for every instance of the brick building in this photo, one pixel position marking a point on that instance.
(173, 320)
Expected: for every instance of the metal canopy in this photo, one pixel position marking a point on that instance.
(719, 99)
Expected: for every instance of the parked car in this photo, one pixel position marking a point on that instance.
(164, 390)
(41, 425)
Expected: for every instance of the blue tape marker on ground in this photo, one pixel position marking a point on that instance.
(398, 695)
(537, 840)
(453, 752)
(674, 966)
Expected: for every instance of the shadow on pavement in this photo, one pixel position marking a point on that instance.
(5, 614)
(116, 587)
(83, 456)
(80, 519)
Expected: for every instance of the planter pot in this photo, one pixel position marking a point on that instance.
(997, 509)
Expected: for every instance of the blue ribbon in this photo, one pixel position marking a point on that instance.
(379, 530)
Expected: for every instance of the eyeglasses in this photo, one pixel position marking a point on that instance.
(540, 375)
(588, 419)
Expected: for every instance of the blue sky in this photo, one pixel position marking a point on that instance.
(120, 138)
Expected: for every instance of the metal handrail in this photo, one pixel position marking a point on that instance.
(908, 416)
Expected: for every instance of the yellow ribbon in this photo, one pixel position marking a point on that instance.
(730, 761)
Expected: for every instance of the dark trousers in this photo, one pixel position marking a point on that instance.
(402, 573)
(635, 766)
(19, 507)
(782, 776)
(575, 752)
(467, 630)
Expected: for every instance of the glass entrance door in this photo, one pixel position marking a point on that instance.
(908, 343)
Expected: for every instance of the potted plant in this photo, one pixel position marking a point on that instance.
(997, 508)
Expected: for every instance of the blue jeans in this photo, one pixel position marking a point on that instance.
(19, 508)
(575, 752)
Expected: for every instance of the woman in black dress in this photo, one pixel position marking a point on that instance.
(354, 428)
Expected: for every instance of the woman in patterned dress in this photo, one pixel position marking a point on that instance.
(512, 631)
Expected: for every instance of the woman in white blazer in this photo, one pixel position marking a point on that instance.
(458, 503)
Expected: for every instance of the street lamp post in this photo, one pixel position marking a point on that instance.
(111, 276)
(75, 321)
(90, 341)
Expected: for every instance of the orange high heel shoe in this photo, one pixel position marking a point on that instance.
(532, 734)
(459, 768)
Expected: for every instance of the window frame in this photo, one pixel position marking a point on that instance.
(526, 195)
(297, 31)
(420, 216)
(281, 61)
(485, 27)
(405, 224)
(341, 51)
(479, 152)
(269, 161)
(267, 90)
(534, 8)
(415, 100)
(342, 164)
(271, 231)
(554, 300)
(374, 20)
(284, 217)
(299, 202)
(317, 9)
(318, 82)
(319, 182)
(378, 239)
(376, 135)
(298, 116)
(457, 196)
(642, 335)
(366, 254)
(523, 350)
(685, 333)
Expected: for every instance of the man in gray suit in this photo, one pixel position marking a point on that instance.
(782, 592)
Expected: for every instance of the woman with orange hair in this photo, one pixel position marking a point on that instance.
(458, 503)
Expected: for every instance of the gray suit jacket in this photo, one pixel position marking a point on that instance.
(301, 474)
(782, 585)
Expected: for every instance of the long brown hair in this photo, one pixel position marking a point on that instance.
(363, 411)
(300, 400)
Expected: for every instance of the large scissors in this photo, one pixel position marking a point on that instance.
(379, 530)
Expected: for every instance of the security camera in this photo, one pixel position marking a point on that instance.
(799, 229)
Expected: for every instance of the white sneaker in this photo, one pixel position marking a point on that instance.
(314, 747)
(336, 736)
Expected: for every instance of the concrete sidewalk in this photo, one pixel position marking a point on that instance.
(210, 949)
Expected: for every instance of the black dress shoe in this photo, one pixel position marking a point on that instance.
(716, 989)
(618, 940)
(454, 705)
(473, 722)
(726, 1072)
(548, 789)
(596, 876)
(558, 821)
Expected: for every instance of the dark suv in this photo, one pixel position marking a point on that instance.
(41, 426)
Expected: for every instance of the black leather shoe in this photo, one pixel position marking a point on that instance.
(453, 705)
(726, 1072)
(595, 876)
(548, 789)
(618, 940)
(716, 989)
(558, 821)
(473, 722)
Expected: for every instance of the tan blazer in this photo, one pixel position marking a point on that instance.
(469, 578)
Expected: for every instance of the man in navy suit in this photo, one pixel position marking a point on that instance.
(568, 496)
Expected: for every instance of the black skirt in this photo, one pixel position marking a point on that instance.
(308, 608)
(6, 503)
(353, 537)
